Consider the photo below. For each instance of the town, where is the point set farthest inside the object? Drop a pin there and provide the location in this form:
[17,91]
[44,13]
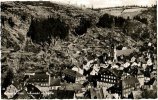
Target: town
[124,73]
[62,51]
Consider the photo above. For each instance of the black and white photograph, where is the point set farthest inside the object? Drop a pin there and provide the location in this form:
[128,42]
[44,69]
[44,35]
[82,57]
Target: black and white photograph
[79,49]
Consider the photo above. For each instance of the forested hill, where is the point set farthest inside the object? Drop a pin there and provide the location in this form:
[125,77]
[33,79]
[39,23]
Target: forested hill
[38,34]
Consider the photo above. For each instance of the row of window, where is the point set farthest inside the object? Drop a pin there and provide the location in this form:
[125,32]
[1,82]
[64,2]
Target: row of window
[39,79]
[69,76]
[112,77]
[108,80]
[41,84]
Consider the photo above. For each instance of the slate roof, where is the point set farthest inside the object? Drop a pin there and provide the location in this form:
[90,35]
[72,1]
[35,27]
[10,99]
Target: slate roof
[72,73]
[117,73]
[39,77]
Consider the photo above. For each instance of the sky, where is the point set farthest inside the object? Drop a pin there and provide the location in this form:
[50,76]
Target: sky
[107,3]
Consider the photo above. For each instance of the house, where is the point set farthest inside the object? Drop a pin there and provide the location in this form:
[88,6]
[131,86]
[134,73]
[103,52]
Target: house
[137,94]
[124,86]
[55,83]
[71,86]
[11,91]
[153,74]
[96,93]
[87,85]
[150,83]
[18,84]
[79,95]
[95,70]
[29,73]
[72,76]
[40,79]
[140,77]
[65,94]
[129,84]
[125,52]
[77,87]
[106,94]
[108,77]
[34,91]
[77,69]
[115,89]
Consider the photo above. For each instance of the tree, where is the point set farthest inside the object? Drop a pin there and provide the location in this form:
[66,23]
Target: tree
[105,21]
[84,25]
[10,22]
[7,80]
[149,94]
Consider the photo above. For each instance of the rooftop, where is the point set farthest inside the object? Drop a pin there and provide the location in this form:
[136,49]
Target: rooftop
[65,94]
[117,73]
[39,77]
[126,52]
[130,81]
[72,73]
[55,82]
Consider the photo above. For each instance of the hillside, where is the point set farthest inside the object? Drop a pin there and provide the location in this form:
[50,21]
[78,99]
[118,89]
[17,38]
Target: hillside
[38,34]
[124,11]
